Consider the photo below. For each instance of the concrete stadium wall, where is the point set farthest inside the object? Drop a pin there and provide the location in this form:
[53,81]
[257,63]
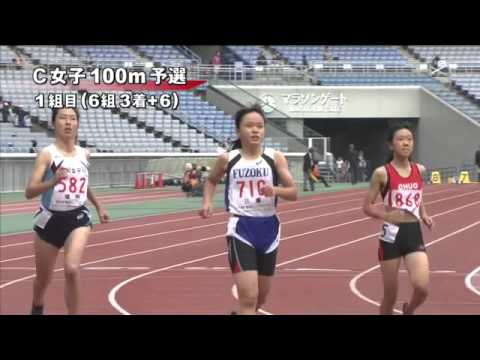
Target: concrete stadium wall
[319,101]
[15,173]
[114,171]
[231,105]
[445,136]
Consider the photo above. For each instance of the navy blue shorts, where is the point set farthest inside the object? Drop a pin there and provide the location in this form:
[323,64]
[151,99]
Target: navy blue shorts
[253,243]
[54,227]
[243,257]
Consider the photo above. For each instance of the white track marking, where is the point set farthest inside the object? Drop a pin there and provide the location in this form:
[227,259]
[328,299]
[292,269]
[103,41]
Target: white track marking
[468,281]
[172,246]
[116,268]
[117,257]
[353,282]
[235,296]
[112,293]
[318,270]
[366,237]
[219,213]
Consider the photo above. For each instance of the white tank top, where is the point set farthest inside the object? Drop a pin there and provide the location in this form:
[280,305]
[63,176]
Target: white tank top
[245,182]
[71,192]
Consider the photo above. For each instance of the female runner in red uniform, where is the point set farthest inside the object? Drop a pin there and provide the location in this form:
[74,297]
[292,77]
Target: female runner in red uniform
[400,183]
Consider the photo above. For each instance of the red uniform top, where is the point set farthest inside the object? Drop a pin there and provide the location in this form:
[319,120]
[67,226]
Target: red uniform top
[404,192]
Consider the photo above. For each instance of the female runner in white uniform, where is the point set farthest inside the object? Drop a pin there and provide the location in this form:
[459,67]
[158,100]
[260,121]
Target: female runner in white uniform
[60,175]
[251,191]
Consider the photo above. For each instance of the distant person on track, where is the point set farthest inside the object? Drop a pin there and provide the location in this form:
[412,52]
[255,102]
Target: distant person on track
[362,166]
[60,175]
[186,186]
[252,188]
[352,158]
[340,169]
[311,171]
[308,162]
[400,182]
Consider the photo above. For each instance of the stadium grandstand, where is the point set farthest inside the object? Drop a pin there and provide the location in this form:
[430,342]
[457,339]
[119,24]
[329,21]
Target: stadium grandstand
[202,123]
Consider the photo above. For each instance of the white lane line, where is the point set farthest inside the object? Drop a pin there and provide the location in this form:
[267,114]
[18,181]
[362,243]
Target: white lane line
[235,296]
[353,282]
[219,213]
[468,281]
[116,268]
[112,293]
